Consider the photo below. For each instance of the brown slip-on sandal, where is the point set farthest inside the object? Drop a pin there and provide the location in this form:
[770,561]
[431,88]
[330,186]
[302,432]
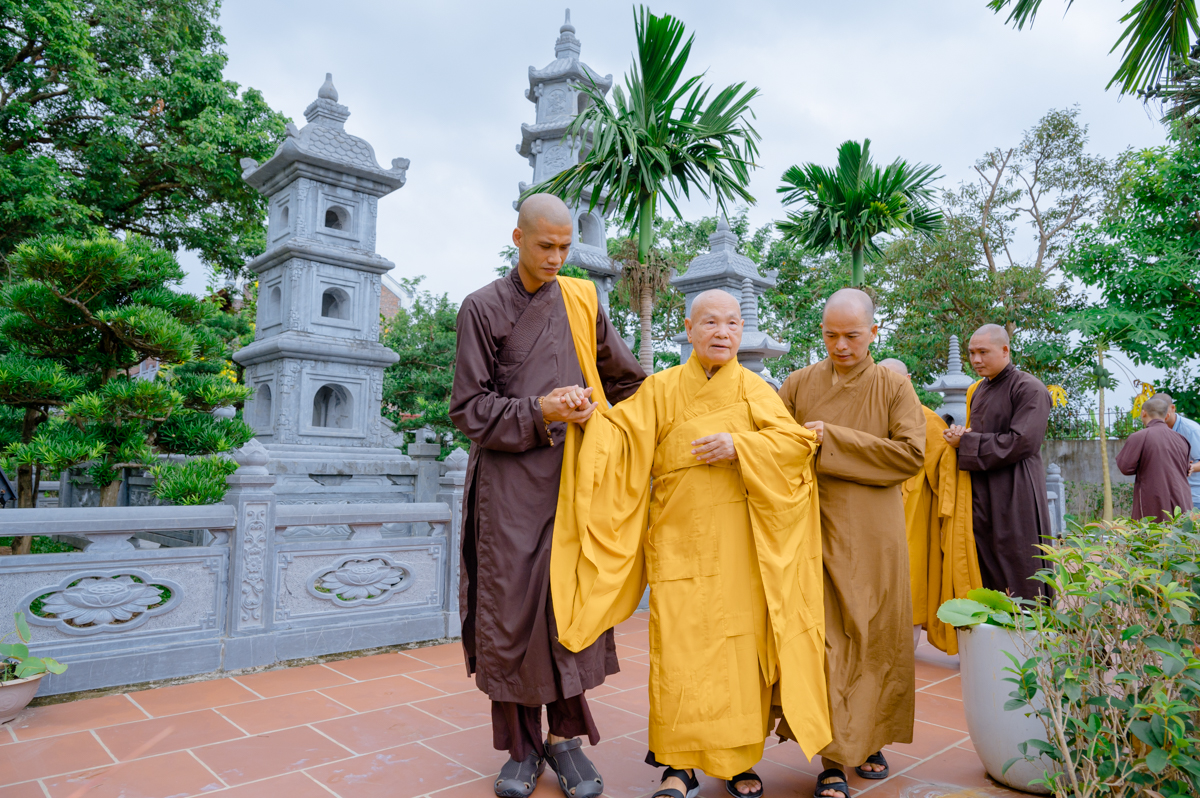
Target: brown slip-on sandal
[577,775]
[517,779]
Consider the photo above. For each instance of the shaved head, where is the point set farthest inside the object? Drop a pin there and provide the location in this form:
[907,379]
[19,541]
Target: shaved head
[895,365]
[851,300]
[988,350]
[993,333]
[538,209]
[1166,397]
[714,299]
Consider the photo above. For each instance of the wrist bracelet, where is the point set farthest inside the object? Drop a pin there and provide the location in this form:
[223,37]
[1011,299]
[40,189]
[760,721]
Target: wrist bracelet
[542,407]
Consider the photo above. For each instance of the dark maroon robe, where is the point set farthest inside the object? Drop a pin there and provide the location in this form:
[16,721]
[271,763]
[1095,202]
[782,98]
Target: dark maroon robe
[1159,458]
[511,491]
[1011,516]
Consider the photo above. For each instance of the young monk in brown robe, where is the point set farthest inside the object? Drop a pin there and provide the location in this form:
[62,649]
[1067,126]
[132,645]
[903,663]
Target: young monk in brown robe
[517,382]
[1001,449]
[1158,458]
[872,435]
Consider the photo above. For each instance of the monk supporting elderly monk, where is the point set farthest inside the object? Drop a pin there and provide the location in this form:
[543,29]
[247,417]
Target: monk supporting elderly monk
[702,484]
[524,344]
[1001,448]
[937,518]
[872,438]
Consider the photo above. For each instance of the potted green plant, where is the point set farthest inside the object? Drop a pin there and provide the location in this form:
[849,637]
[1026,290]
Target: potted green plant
[20,673]
[991,649]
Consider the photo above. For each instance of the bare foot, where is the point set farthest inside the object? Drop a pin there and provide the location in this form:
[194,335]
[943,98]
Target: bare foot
[748,786]
[833,793]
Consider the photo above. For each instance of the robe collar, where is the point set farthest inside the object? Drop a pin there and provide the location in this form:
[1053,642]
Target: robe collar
[848,381]
[1003,375]
[704,394]
[1154,421]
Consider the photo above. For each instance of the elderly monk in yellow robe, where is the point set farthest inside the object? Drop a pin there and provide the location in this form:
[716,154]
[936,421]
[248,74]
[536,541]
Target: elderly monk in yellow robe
[937,517]
[702,484]
[872,439]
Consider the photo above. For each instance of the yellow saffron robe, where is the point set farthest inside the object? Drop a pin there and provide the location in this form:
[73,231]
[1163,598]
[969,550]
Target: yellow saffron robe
[941,544]
[732,553]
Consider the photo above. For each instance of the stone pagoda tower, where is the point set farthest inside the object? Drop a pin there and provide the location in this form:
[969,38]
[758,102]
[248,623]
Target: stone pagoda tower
[953,385]
[316,364]
[554,90]
[723,267]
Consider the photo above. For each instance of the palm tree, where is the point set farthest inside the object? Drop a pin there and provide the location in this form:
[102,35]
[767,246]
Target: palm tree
[1157,37]
[660,137]
[848,206]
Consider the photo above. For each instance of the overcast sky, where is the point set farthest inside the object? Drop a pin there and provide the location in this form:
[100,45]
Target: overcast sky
[442,83]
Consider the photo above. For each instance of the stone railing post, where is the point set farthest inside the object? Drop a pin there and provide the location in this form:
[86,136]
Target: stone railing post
[452,486]
[424,451]
[251,552]
[1056,496]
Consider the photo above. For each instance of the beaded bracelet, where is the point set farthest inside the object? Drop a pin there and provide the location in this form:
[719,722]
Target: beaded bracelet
[542,407]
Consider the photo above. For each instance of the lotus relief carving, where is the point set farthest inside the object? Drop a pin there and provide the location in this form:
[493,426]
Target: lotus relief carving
[103,602]
[360,581]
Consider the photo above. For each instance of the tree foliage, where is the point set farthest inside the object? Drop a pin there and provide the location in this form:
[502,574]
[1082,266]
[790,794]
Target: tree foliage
[114,115]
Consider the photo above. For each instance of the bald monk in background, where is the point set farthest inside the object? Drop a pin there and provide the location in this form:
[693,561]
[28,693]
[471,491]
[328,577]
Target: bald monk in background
[1009,411]
[937,517]
[518,381]
[729,538]
[872,439]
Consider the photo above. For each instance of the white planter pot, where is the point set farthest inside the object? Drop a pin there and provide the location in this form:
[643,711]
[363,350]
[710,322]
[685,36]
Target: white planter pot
[15,695]
[996,733]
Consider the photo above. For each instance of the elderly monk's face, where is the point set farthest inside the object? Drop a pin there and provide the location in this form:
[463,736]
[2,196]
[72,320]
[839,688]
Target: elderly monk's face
[988,355]
[848,333]
[714,330]
[542,250]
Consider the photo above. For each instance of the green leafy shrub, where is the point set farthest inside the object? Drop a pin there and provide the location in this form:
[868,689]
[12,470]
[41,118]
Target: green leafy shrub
[1116,662]
[200,480]
[15,661]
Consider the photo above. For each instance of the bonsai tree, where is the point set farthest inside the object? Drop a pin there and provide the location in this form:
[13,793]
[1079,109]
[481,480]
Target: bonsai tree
[659,138]
[846,207]
[100,306]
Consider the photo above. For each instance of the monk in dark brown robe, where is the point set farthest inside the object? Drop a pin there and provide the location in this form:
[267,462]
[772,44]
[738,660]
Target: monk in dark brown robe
[517,383]
[1002,449]
[1158,459]
[871,432]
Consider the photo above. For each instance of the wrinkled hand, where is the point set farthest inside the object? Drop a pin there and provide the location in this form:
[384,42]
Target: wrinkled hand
[571,403]
[954,434]
[714,448]
[817,427]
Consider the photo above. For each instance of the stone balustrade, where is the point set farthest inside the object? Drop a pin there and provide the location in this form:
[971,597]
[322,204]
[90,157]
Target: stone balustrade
[118,614]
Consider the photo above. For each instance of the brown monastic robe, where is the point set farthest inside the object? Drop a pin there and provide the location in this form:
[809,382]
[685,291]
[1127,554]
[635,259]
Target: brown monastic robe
[1009,413]
[511,490]
[874,440]
[1159,457]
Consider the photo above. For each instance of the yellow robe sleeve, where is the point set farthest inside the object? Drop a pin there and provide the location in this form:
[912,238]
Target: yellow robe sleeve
[776,465]
[597,565]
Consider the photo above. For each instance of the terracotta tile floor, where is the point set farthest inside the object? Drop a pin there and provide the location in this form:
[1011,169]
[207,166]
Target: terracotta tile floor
[402,725]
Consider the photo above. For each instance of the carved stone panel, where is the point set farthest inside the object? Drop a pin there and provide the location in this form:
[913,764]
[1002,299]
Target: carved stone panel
[93,602]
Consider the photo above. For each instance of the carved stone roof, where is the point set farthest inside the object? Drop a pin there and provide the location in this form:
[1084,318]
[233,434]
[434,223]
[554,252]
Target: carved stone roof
[722,260]
[325,142]
[566,65]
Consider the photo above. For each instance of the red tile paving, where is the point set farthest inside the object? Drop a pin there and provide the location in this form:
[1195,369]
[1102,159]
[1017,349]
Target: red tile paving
[403,725]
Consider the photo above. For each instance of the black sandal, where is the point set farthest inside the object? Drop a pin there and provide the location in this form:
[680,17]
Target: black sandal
[749,775]
[835,786]
[691,782]
[577,775]
[517,779]
[874,759]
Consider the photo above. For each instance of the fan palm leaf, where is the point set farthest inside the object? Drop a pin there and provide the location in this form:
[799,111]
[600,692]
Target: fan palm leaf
[846,207]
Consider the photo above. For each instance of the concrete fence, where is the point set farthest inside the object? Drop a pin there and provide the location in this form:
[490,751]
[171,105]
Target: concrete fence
[118,614]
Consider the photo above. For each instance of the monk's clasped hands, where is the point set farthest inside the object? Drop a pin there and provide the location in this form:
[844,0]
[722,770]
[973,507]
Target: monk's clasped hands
[954,434]
[817,427]
[714,448]
[572,404]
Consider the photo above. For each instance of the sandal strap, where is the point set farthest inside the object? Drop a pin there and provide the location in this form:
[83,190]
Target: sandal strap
[554,749]
[842,786]
[671,792]
[749,775]
[876,759]
[691,781]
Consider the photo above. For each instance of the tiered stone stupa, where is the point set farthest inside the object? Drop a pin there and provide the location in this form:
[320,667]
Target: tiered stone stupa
[316,364]
[555,91]
[725,268]
[953,386]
